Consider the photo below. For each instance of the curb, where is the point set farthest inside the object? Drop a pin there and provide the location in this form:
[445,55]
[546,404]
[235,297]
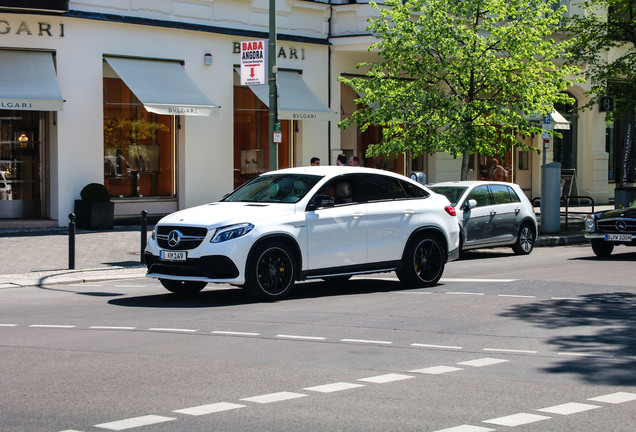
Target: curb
[560,240]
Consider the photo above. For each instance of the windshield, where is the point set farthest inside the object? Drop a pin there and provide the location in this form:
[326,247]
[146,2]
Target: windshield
[453,193]
[287,188]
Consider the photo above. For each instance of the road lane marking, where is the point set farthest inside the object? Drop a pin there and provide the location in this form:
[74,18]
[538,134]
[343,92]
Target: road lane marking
[179,330]
[111,328]
[477,280]
[506,350]
[436,370]
[568,408]
[517,296]
[335,387]
[315,338]
[387,378]
[52,326]
[366,341]
[274,397]
[517,419]
[467,428]
[482,362]
[233,333]
[464,293]
[209,409]
[135,422]
[615,398]
[8,325]
[585,355]
[436,346]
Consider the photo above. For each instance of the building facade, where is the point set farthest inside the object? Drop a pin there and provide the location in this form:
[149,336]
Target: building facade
[145,96]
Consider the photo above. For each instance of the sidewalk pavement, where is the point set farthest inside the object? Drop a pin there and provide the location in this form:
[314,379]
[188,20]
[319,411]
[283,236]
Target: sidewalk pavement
[36,256]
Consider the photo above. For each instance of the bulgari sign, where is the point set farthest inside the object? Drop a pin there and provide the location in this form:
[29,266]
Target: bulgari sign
[35,5]
[25,29]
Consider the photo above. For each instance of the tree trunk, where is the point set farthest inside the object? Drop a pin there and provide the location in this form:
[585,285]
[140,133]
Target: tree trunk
[465,161]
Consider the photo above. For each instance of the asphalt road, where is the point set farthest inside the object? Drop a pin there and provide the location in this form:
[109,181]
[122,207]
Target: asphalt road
[544,342]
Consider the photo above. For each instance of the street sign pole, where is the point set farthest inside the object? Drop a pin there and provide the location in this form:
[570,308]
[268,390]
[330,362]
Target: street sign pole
[546,143]
[273,93]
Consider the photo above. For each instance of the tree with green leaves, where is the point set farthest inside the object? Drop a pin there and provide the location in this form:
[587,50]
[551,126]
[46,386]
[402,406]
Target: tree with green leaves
[461,76]
[606,45]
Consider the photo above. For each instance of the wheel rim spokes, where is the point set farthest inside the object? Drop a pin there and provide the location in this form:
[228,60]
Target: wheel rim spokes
[427,260]
[526,239]
[274,271]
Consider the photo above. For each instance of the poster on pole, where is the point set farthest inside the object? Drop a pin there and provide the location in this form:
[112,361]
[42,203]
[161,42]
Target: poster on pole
[253,62]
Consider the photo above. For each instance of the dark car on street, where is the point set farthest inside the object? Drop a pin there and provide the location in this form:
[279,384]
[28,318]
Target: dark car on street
[611,228]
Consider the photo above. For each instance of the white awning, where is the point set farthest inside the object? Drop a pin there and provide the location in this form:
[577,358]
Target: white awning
[28,81]
[556,120]
[559,122]
[296,101]
[163,87]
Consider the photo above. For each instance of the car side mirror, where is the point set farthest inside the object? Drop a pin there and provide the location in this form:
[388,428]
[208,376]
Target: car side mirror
[470,204]
[321,201]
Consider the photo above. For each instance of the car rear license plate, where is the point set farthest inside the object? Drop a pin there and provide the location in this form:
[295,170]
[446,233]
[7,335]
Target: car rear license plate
[173,255]
[618,237]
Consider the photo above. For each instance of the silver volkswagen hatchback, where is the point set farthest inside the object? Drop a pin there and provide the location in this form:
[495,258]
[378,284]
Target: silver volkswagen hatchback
[491,214]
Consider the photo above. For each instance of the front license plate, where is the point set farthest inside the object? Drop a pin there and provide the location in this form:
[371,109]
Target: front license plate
[173,255]
[618,237]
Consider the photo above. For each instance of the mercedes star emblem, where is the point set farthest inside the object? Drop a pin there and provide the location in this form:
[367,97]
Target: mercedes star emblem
[621,225]
[174,238]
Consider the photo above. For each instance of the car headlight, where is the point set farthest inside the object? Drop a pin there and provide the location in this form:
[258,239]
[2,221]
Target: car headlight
[590,223]
[231,232]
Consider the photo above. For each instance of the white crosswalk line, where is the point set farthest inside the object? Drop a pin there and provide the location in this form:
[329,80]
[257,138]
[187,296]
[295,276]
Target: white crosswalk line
[568,408]
[382,379]
[517,419]
[436,370]
[615,398]
[274,397]
[330,388]
[134,422]
[482,362]
[209,409]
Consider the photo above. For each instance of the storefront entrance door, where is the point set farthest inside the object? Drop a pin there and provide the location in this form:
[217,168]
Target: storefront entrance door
[20,164]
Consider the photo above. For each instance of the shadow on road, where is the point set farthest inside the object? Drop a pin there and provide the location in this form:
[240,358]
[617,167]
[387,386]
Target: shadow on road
[619,255]
[212,297]
[613,316]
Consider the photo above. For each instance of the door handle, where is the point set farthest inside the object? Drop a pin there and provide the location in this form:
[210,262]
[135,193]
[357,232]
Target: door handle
[357,215]
[493,212]
[409,212]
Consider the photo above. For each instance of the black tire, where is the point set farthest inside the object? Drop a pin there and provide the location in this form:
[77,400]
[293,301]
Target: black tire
[271,271]
[602,248]
[423,262]
[183,288]
[525,240]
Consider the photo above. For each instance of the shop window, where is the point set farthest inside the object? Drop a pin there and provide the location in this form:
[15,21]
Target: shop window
[138,147]
[494,168]
[20,155]
[251,137]
[565,146]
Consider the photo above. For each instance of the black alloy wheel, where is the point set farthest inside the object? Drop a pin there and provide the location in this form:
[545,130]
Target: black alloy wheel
[271,271]
[423,262]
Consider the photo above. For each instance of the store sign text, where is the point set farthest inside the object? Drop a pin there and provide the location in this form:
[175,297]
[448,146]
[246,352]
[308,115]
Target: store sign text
[42,29]
[283,52]
[16,105]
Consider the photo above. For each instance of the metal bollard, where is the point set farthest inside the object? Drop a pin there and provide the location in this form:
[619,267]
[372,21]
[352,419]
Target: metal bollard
[71,241]
[144,234]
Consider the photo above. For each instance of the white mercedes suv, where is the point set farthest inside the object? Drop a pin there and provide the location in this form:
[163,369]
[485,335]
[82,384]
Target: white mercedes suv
[302,223]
